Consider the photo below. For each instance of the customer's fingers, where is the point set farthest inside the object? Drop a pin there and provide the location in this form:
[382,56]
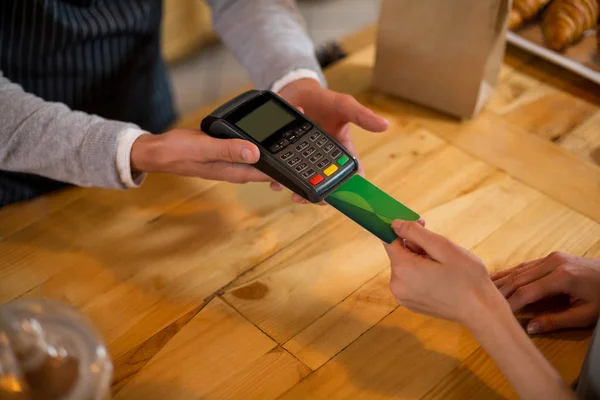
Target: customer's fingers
[580,316]
[436,246]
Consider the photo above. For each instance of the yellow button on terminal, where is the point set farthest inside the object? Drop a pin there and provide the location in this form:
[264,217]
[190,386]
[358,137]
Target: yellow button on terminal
[330,170]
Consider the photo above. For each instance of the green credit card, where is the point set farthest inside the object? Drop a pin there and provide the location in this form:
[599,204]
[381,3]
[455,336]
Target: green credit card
[370,207]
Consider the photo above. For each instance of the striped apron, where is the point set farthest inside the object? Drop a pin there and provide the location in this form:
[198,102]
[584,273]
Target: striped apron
[97,56]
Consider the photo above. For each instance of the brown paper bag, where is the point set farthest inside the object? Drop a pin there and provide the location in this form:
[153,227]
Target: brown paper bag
[445,54]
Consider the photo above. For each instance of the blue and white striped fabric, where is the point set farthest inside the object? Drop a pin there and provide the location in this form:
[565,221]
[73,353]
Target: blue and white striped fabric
[98,56]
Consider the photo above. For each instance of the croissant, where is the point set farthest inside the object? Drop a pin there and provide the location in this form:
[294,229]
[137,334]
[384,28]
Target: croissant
[524,10]
[565,21]
[515,19]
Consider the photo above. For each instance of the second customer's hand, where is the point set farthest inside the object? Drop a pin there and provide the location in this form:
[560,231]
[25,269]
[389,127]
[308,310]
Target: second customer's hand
[555,274]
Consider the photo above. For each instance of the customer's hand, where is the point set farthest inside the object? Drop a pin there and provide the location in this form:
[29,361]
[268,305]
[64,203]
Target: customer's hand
[444,280]
[556,274]
[332,111]
[192,153]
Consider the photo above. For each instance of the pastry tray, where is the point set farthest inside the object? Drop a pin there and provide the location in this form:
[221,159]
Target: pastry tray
[580,58]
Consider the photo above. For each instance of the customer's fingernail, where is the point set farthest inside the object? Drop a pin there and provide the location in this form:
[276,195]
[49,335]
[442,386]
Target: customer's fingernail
[247,155]
[533,327]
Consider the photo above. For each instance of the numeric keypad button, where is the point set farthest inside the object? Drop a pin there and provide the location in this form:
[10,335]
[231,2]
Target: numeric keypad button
[308,152]
[315,136]
[301,167]
[316,158]
[302,146]
[308,174]
[287,155]
[323,164]
[294,161]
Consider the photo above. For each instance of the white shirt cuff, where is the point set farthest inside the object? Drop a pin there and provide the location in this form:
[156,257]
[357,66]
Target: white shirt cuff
[294,76]
[124,145]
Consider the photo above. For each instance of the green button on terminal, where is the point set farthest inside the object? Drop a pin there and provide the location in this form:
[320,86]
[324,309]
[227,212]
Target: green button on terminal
[343,160]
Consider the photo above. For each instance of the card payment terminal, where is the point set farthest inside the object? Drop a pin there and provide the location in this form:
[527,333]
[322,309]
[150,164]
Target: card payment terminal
[293,150]
[297,153]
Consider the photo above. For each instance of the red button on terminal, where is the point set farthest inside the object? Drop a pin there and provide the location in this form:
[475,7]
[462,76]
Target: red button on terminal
[315,180]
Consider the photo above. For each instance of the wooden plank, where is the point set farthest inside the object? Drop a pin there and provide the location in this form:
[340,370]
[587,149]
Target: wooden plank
[304,281]
[520,100]
[57,238]
[548,112]
[466,381]
[27,261]
[512,92]
[399,130]
[267,378]
[130,363]
[564,350]
[400,357]
[158,194]
[537,162]
[539,229]
[344,323]
[156,272]
[217,353]
[18,216]
[585,140]
[593,252]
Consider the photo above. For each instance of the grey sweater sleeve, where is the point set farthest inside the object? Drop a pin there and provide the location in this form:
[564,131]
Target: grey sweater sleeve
[50,140]
[267,36]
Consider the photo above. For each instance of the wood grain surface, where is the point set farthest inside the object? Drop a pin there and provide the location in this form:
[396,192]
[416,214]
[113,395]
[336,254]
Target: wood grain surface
[211,290]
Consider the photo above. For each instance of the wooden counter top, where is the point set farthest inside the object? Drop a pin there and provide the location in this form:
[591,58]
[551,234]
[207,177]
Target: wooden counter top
[211,290]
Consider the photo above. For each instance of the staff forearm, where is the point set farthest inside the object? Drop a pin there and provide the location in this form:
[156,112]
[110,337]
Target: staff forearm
[267,36]
[51,140]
